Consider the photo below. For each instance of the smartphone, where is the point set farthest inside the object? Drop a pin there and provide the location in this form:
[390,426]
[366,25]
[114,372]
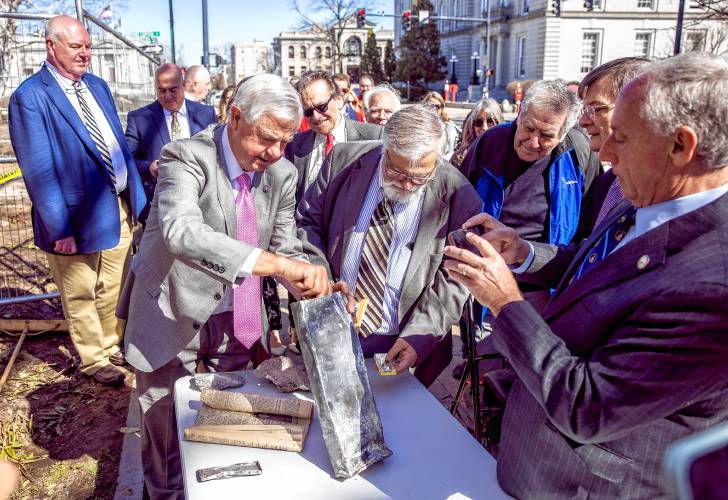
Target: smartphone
[458,239]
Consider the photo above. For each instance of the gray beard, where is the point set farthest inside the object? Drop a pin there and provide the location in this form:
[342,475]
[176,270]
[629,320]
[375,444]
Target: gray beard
[394,193]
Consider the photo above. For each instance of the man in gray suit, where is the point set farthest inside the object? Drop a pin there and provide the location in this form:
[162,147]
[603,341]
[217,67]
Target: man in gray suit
[223,216]
[322,105]
[630,353]
[377,218]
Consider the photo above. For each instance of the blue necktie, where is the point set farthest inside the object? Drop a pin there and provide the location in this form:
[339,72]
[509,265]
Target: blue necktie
[608,241]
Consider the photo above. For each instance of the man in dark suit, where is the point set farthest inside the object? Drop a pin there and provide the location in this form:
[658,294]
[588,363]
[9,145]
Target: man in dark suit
[630,353]
[406,191]
[167,119]
[85,190]
[598,91]
[322,105]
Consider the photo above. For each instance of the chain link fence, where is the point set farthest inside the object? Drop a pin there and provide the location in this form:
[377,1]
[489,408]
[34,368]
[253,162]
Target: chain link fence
[24,272]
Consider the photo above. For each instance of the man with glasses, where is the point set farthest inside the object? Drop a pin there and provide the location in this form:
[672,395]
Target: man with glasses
[381,103]
[322,105]
[532,173]
[377,218]
[598,91]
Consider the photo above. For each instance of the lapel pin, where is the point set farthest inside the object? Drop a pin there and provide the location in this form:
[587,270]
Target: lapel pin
[643,262]
[266,188]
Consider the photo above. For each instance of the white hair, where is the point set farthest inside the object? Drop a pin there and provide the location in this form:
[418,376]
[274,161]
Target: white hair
[267,95]
[552,96]
[415,132]
[382,89]
[689,90]
[193,72]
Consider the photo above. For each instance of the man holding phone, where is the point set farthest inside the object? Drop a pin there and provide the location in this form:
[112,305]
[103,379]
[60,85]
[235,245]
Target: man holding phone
[377,218]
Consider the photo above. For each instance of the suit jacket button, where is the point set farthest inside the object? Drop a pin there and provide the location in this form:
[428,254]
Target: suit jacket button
[204,262]
[222,269]
[218,296]
[196,326]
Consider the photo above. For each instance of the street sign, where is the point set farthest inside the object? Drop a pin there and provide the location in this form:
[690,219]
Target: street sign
[424,14]
[152,49]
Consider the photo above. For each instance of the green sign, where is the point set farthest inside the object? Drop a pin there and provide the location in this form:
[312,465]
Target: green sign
[146,33]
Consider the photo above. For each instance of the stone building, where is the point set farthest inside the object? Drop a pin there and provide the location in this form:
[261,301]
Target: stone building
[298,51]
[248,59]
[529,40]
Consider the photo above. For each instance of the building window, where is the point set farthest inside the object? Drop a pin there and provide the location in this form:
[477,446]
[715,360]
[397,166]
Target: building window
[524,7]
[303,69]
[589,52]
[521,59]
[694,41]
[303,52]
[642,43]
[327,51]
[644,4]
[319,53]
[291,52]
[353,46]
[291,71]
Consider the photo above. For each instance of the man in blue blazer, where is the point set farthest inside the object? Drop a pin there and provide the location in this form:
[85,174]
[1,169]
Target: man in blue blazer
[85,190]
[169,118]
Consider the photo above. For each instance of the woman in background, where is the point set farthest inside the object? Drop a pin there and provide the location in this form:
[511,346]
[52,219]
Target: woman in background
[486,114]
[435,100]
[222,106]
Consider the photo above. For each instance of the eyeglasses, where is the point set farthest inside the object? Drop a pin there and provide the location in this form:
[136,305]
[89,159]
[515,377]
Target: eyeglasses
[321,108]
[590,111]
[478,122]
[382,112]
[402,177]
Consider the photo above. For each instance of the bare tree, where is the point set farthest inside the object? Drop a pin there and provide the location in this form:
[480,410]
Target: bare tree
[328,18]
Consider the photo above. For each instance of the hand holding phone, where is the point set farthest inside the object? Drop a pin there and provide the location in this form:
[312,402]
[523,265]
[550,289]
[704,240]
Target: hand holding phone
[458,238]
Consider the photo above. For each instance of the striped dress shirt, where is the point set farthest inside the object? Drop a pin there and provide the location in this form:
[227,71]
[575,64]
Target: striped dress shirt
[406,222]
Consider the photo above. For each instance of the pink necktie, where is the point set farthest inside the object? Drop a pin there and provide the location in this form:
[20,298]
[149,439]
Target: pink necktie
[246,297]
[614,196]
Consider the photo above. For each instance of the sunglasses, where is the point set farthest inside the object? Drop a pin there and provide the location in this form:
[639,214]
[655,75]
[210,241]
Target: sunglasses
[434,106]
[321,108]
[478,122]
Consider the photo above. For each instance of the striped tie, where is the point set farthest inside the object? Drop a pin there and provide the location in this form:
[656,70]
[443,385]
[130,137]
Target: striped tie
[93,130]
[370,282]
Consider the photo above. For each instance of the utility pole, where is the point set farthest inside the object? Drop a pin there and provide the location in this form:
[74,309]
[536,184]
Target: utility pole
[678,29]
[205,37]
[171,31]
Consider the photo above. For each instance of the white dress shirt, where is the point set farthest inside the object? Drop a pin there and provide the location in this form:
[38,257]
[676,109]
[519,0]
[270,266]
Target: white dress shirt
[118,161]
[404,232]
[184,124]
[234,170]
[318,154]
[648,218]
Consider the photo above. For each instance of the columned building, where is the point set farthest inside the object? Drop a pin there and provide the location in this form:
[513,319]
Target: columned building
[296,52]
[529,40]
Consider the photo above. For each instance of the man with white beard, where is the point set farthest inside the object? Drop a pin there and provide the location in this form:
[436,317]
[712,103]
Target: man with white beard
[377,217]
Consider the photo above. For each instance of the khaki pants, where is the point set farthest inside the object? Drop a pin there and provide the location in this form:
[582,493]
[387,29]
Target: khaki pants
[90,285]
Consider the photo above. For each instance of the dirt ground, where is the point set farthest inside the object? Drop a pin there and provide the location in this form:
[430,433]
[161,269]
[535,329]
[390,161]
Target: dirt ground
[63,429]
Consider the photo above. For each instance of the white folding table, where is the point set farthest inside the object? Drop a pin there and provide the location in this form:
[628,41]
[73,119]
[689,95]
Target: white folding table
[434,457]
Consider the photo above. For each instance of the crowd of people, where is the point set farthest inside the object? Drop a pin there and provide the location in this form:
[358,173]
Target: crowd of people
[601,272]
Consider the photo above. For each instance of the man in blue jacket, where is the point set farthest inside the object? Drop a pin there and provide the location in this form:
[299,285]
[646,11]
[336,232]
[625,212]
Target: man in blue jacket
[169,118]
[85,190]
[533,173]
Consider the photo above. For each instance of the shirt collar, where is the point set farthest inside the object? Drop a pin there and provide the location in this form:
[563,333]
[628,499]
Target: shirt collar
[650,217]
[339,131]
[181,111]
[65,83]
[234,170]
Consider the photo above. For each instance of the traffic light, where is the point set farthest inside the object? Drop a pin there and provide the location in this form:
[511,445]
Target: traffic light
[406,20]
[361,18]
[589,5]
[556,7]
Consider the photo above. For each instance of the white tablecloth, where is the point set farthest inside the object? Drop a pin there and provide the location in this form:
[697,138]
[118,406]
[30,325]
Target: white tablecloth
[434,457]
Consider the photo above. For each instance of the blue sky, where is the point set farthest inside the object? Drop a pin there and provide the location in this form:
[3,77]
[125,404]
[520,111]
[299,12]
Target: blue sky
[229,21]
